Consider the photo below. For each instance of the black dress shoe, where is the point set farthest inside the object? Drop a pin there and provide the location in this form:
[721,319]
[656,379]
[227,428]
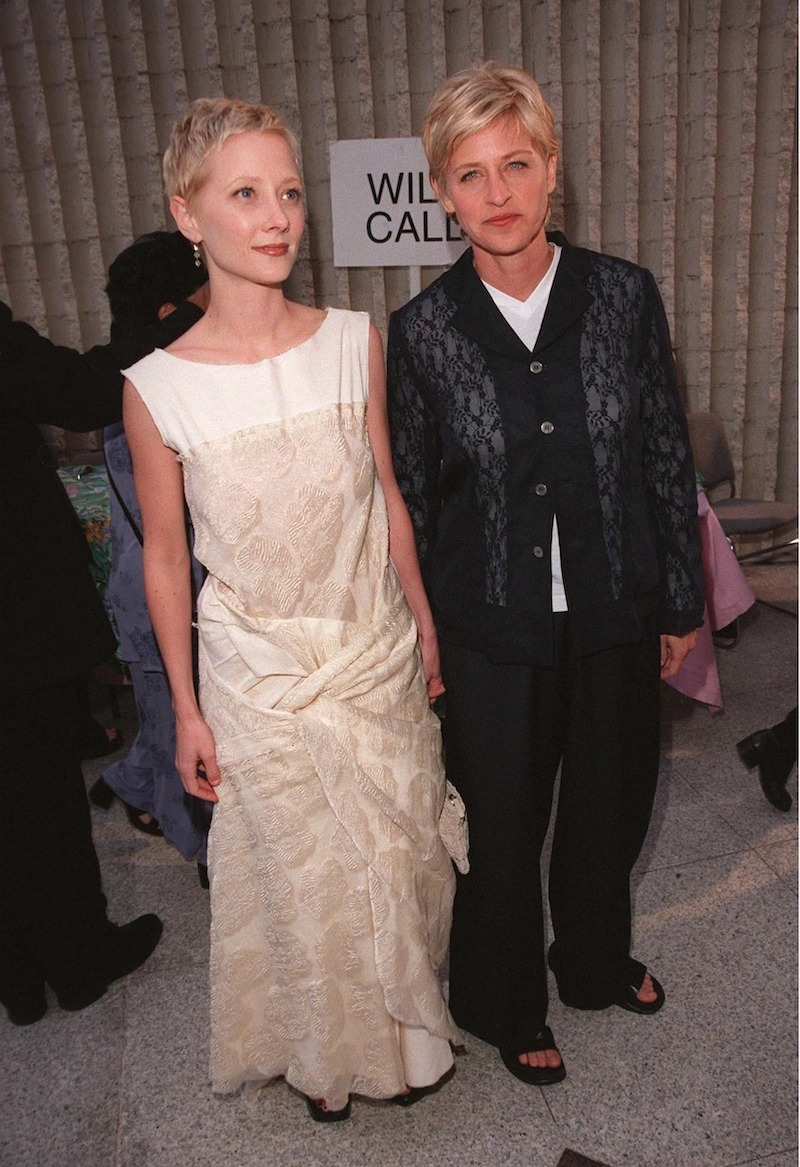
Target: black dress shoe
[26,1007]
[415,1093]
[150,827]
[129,946]
[629,999]
[774,752]
[535,1075]
[101,794]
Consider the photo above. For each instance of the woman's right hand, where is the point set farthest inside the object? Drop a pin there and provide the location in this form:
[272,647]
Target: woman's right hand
[196,758]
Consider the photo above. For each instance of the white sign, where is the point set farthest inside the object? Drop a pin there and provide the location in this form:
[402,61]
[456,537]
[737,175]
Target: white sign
[385,213]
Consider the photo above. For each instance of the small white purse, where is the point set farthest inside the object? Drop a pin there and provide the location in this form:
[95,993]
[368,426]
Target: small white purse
[454,829]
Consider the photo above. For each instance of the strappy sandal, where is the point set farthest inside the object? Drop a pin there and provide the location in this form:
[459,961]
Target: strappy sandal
[535,1075]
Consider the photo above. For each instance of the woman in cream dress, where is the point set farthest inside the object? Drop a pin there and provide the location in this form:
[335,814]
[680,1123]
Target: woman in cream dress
[331,891]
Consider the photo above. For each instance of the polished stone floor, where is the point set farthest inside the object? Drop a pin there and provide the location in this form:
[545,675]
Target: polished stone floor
[711,1081]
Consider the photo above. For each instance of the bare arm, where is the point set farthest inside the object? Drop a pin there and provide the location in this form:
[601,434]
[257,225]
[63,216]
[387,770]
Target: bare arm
[159,487]
[402,546]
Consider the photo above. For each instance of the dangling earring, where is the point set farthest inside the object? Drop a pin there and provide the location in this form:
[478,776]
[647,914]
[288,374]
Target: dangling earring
[198,259]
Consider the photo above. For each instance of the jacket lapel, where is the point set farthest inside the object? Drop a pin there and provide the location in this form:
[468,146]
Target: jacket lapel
[569,298]
[477,316]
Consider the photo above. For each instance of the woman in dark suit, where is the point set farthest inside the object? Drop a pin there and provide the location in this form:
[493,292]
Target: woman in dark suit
[543,455]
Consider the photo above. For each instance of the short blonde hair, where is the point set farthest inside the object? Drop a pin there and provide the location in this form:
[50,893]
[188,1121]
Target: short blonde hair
[205,127]
[475,98]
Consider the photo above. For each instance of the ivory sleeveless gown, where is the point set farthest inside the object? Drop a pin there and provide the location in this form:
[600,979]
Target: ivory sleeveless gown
[331,892]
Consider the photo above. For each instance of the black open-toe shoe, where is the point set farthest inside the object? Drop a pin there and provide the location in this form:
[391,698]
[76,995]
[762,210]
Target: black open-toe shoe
[535,1075]
[415,1093]
[319,1113]
[629,1000]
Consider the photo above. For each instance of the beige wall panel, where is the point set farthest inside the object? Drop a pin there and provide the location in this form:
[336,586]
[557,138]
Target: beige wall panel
[134,112]
[94,78]
[774,129]
[391,111]
[353,90]
[580,137]
[47,260]
[541,57]
[199,48]
[657,143]
[696,148]
[786,485]
[736,92]
[501,33]
[71,171]
[619,126]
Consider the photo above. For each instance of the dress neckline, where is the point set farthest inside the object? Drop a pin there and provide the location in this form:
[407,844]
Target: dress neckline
[248,364]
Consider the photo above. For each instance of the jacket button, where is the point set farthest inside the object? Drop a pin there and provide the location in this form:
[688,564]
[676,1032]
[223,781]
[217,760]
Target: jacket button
[536,366]
[538,552]
[547,427]
[541,489]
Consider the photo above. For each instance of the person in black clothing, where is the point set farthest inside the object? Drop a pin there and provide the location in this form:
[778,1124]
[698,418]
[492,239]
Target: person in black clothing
[54,927]
[541,448]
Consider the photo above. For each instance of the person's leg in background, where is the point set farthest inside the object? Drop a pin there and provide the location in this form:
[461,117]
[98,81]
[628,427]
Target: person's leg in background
[53,922]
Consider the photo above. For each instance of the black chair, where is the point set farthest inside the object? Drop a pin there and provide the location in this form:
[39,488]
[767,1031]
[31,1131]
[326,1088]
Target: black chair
[737,516]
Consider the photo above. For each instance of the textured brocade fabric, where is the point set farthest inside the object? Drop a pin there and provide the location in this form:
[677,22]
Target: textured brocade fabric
[621,292]
[331,890]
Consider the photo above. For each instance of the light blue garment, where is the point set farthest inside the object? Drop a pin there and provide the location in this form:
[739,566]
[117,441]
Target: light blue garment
[146,777]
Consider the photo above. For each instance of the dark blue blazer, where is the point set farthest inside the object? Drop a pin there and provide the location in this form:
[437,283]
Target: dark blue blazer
[491,441]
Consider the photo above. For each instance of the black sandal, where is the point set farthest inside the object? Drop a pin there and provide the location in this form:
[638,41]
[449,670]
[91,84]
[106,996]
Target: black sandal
[535,1075]
[415,1093]
[319,1113]
[629,999]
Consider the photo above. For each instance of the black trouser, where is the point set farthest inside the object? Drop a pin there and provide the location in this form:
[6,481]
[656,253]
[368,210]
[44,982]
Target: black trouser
[53,924]
[507,728]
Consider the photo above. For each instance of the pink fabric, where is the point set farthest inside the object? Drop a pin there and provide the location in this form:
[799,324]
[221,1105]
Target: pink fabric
[728,595]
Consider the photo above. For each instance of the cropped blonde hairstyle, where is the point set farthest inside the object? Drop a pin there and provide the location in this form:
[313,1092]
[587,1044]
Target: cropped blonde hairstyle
[205,127]
[471,100]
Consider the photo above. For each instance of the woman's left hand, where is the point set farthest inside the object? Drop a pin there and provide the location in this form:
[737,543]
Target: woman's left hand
[431,666]
[674,650]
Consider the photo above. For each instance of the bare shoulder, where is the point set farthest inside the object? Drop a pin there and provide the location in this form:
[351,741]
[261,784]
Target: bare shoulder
[304,317]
